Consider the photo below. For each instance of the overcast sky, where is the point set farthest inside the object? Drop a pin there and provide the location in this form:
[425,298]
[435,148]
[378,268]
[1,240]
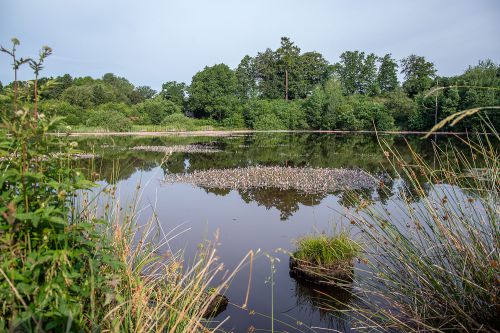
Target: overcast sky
[154,41]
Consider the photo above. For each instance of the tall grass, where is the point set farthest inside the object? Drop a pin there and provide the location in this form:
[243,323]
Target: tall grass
[326,250]
[434,259]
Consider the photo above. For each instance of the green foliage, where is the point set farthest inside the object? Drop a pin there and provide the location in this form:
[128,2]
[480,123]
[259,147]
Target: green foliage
[387,74]
[174,91]
[72,115]
[275,114]
[246,77]
[323,106]
[328,109]
[371,114]
[88,96]
[418,74]
[180,122]
[112,116]
[48,257]
[323,250]
[121,87]
[304,71]
[141,94]
[358,73]
[401,107]
[226,95]
[61,84]
[212,92]
[153,111]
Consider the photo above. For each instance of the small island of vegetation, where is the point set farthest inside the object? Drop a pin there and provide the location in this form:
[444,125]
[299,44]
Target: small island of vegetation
[327,260]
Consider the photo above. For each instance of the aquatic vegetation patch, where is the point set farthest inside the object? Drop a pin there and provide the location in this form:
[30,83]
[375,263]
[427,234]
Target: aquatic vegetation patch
[324,260]
[307,180]
[178,149]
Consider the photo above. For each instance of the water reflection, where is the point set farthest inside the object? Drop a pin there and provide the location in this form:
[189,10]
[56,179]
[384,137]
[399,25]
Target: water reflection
[329,303]
[252,219]
[118,161]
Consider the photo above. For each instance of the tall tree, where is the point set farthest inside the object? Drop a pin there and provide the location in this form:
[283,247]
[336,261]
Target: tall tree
[368,81]
[418,73]
[246,75]
[269,80]
[288,59]
[141,94]
[122,87]
[61,84]
[174,91]
[314,70]
[358,73]
[212,92]
[349,71]
[387,74]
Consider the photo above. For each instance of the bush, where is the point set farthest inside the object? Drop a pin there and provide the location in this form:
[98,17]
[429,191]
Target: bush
[179,122]
[73,115]
[401,108]
[89,95]
[371,114]
[45,251]
[110,119]
[324,105]
[275,115]
[153,111]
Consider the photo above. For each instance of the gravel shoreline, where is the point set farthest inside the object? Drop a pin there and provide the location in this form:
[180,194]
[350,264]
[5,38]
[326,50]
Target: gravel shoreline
[307,180]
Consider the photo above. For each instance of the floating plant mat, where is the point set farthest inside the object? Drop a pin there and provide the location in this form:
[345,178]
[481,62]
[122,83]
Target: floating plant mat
[178,149]
[308,180]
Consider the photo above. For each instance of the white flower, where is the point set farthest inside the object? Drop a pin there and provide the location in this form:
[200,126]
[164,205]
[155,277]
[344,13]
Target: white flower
[19,113]
[41,116]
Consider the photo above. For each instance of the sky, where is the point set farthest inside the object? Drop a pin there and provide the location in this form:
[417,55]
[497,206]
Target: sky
[154,41]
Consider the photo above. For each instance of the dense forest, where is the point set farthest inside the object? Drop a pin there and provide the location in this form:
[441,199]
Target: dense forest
[279,89]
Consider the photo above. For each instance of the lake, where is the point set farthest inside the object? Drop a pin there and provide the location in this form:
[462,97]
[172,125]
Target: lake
[268,219]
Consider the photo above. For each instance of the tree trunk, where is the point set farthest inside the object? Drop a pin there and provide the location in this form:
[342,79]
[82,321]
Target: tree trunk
[286,84]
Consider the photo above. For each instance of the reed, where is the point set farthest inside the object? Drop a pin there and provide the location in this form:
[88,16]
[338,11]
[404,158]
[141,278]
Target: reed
[434,259]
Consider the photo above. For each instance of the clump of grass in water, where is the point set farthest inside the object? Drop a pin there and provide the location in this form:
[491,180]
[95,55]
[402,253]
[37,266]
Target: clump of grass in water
[326,250]
[325,260]
[436,260]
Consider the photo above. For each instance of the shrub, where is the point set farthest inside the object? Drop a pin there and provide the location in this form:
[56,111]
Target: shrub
[110,119]
[89,95]
[179,122]
[275,115]
[155,110]
[73,115]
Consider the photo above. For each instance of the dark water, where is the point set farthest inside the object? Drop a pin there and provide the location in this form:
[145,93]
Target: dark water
[266,219]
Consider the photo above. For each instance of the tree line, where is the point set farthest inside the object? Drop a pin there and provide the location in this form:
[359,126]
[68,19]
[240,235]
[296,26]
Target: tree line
[280,89]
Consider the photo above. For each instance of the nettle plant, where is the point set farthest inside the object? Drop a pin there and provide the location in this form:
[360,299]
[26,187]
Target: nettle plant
[48,256]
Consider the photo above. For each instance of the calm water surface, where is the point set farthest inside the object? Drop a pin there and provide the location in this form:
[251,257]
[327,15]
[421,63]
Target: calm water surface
[265,219]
